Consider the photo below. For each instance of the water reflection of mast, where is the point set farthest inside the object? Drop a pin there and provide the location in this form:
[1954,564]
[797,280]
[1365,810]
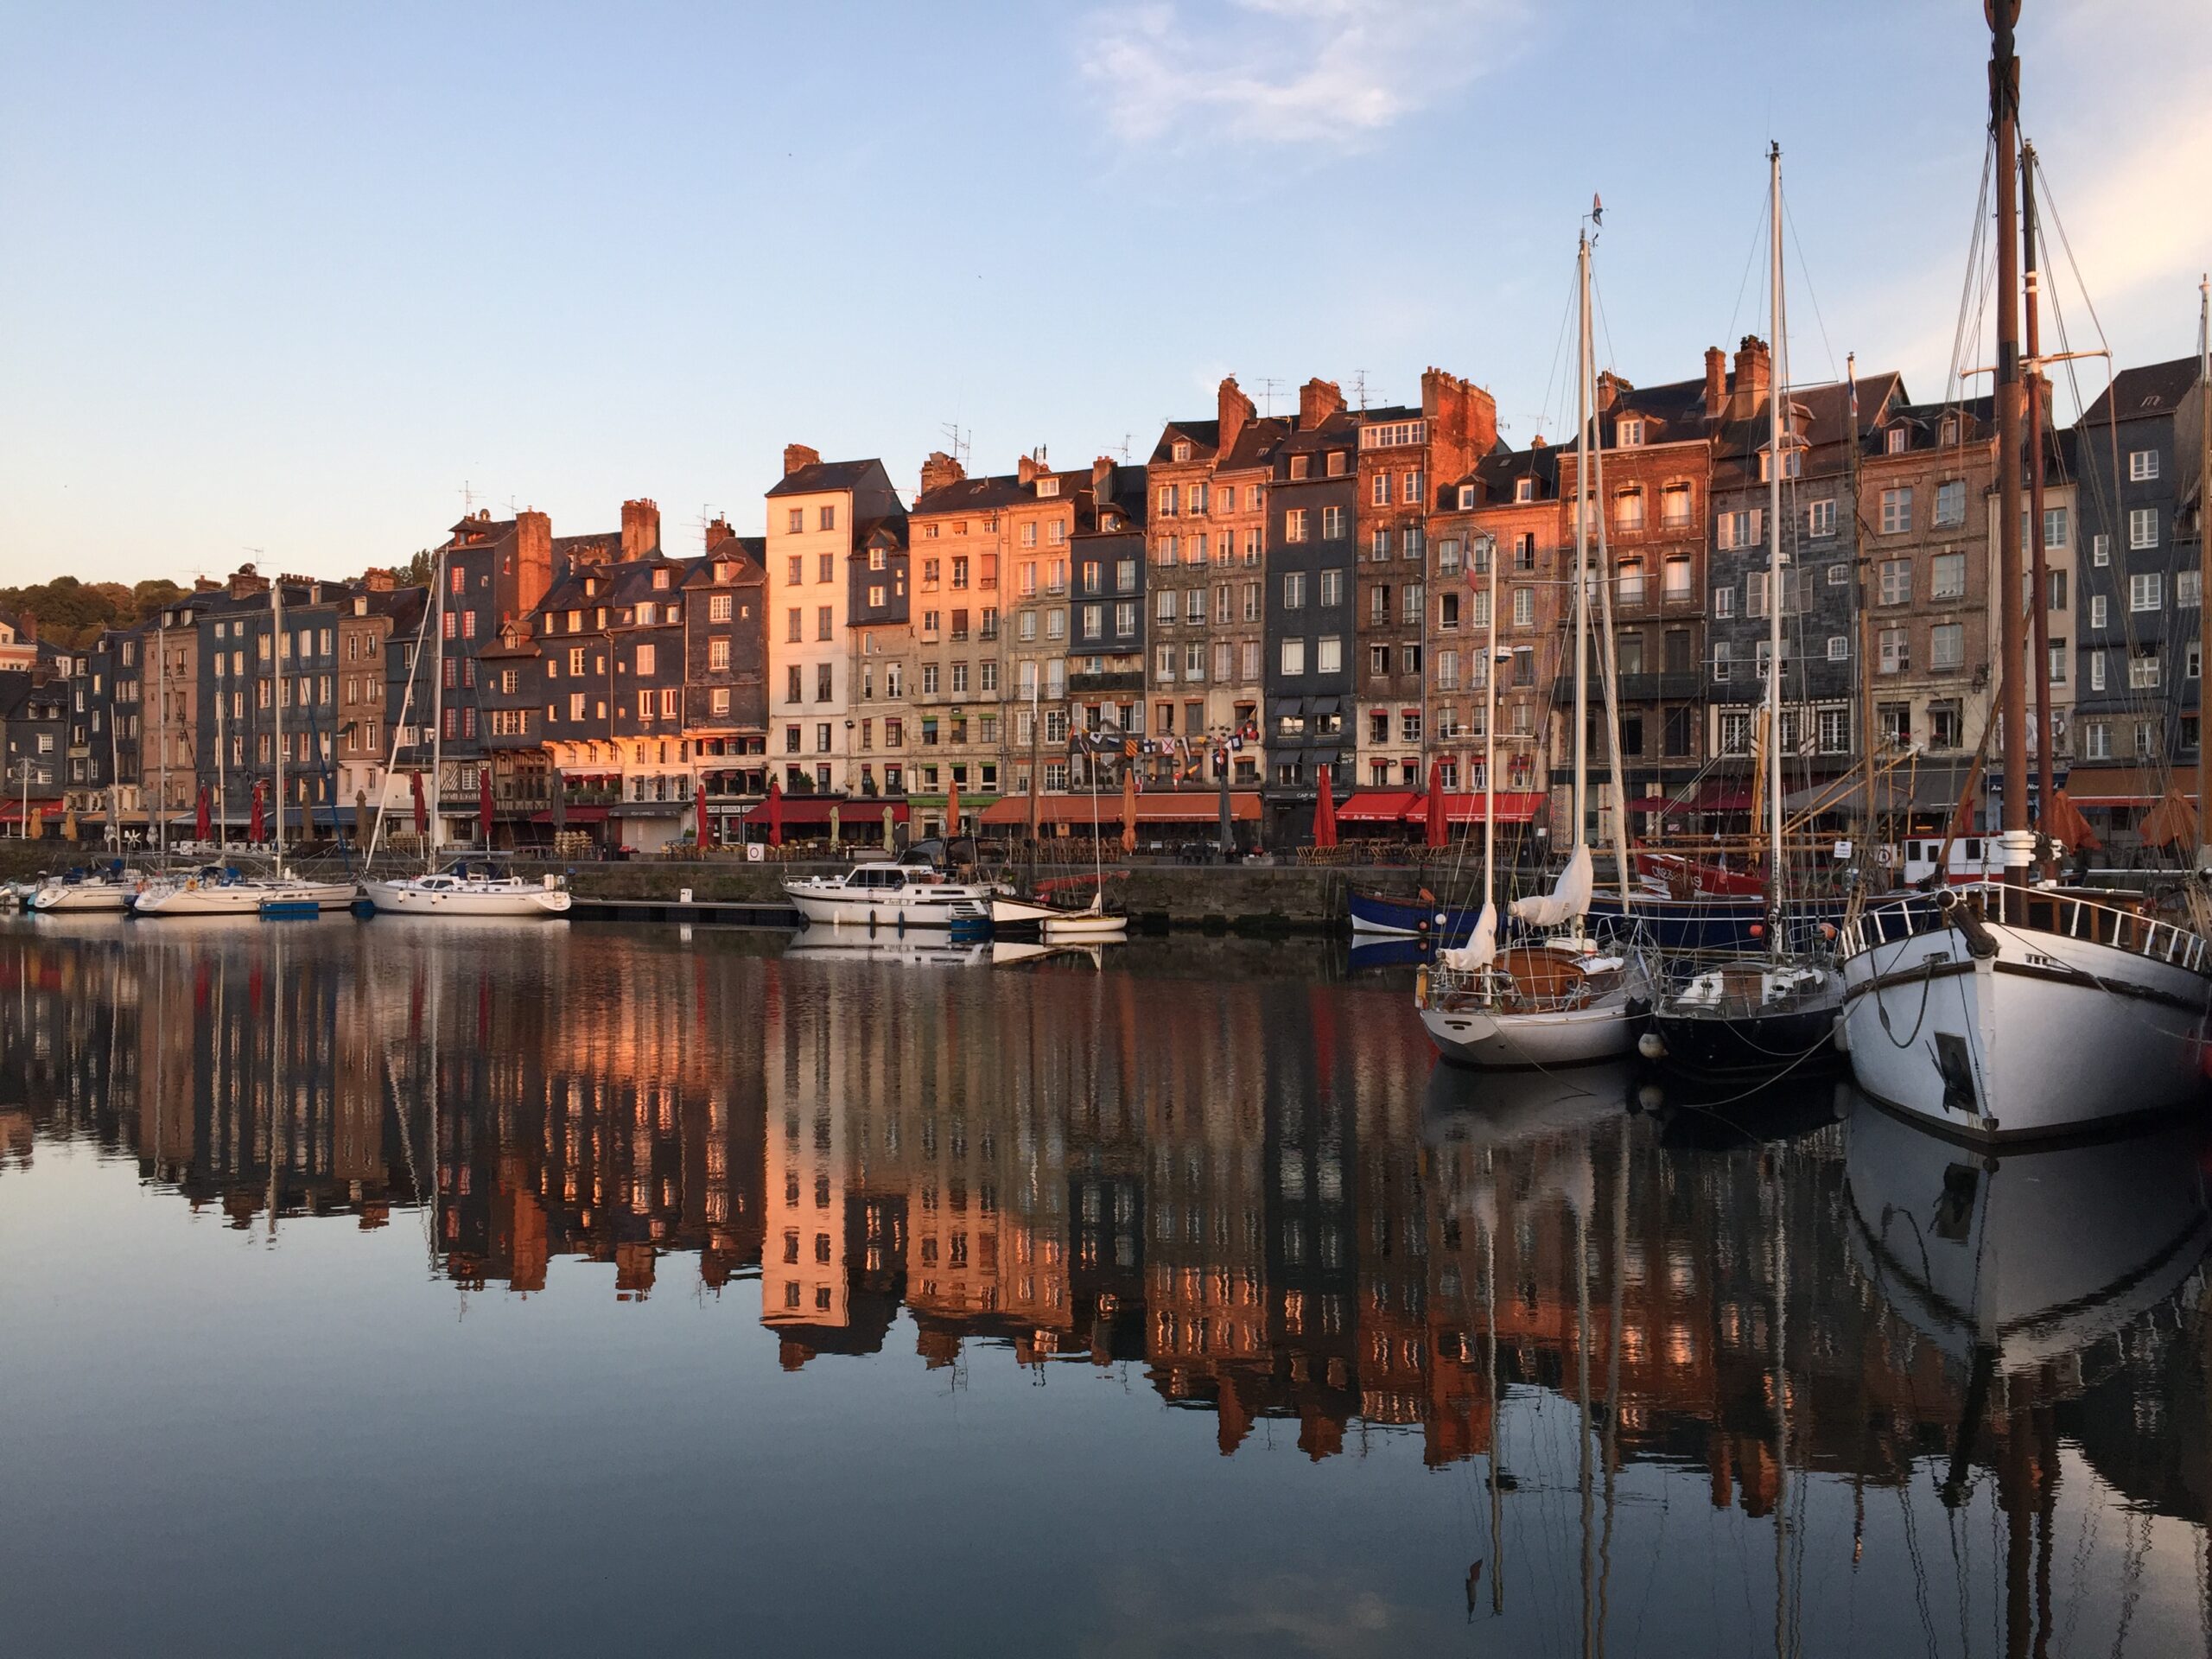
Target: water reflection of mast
[1490,1316]
[1781,1188]
[1613,1373]
[1582,1398]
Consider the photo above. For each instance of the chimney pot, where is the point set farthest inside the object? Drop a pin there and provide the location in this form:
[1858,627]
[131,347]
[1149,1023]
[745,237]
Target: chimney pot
[939,470]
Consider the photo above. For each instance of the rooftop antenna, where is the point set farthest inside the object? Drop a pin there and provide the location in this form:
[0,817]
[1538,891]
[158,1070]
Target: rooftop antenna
[1268,384]
[467,498]
[1126,436]
[708,513]
[959,439]
[1359,386]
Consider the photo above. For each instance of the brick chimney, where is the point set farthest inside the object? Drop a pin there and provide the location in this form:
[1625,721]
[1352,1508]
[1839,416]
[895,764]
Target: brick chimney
[377,580]
[533,562]
[640,529]
[718,531]
[1236,411]
[206,585]
[1537,442]
[246,583]
[1102,473]
[1609,387]
[796,455]
[1317,400]
[1462,422]
[26,626]
[1027,468]
[939,470]
[1753,369]
[1716,382]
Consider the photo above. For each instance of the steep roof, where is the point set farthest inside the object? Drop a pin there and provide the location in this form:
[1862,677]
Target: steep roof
[2155,389]
[1202,435]
[822,475]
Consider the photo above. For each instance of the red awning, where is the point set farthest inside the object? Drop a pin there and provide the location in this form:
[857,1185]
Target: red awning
[12,811]
[575,815]
[1514,806]
[1379,806]
[802,810]
[1167,806]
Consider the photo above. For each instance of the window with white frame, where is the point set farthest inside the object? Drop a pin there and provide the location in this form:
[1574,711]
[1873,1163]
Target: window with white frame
[1895,582]
[1524,606]
[1896,511]
[1329,654]
[1950,503]
[1946,574]
[2142,527]
[2100,549]
[2189,590]
[1294,524]
[2099,610]
[1293,657]
[1724,603]
[1721,661]
[1839,648]
[2145,591]
[2142,669]
[1896,651]
[1947,646]
[1820,519]
[2142,466]
[2096,671]
[2097,740]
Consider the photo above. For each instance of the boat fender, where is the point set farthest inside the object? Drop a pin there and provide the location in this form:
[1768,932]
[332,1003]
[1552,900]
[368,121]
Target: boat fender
[1421,987]
[1650,1097]
[1651,1046]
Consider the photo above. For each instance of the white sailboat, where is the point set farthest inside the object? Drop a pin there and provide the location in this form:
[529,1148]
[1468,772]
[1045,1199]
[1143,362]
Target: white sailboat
[220,893]
[463,889]
[111,889]
[2022,1010]
[1563,999]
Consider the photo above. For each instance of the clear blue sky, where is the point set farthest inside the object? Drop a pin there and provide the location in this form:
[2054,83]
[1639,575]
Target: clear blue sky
[287,276]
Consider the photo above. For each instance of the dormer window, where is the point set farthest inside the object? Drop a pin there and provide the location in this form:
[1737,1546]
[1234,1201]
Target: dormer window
[360,608]
[1467,497]
[1046,486]
[1895,441]
[1300,466]
[1181,452]
[1524,489]
[1628,431]
[1949,432]
[591,587]
[1338,461]
[725,572]
[660,580]
[1109,521]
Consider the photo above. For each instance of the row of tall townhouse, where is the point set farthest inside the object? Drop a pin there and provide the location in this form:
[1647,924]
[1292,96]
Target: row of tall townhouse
[1266,597]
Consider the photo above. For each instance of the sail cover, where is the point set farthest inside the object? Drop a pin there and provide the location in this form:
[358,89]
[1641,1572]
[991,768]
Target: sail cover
[1481,948]
[1569,899]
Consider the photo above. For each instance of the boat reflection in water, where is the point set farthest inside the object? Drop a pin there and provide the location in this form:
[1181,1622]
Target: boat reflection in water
[965,1240]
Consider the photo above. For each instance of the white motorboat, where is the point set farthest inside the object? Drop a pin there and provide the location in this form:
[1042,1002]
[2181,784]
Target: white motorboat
[225,893]
[2019,1012]
[884,894]
[920,952]
[462,891]
[113,891]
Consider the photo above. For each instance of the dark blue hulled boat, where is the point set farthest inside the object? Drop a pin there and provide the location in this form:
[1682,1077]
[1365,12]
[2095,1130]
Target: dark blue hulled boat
[1411,916]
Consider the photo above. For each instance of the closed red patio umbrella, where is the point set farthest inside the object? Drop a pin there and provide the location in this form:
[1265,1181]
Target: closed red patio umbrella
[699,808]
[1324,813]
[422,812]
[254,832]
[1434,831]
[201,827]
[775,812]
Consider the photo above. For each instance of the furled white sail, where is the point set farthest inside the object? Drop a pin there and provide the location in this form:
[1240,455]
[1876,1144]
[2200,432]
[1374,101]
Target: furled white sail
[1481,948]
[1569,899]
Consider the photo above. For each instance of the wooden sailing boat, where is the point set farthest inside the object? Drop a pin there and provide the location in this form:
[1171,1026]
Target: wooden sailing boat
[1757,1016]
[2019,1010]
[1562,998]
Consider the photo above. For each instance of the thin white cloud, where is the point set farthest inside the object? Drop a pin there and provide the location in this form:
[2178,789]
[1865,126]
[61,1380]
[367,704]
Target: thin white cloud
[1317,73]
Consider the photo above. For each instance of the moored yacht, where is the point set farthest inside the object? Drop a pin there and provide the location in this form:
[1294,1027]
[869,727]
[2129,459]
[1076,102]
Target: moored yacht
[880,893]
[463,889]
[224,892]
[111,890]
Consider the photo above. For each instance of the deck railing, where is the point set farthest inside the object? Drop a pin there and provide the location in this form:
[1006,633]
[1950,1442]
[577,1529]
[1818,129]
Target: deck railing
[2095,918]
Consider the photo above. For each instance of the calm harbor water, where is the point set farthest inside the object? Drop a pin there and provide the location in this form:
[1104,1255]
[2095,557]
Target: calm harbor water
[430,1288]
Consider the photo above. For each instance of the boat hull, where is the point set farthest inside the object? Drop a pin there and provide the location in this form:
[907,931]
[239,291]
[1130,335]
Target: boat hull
[242,897]
[1400,915]
[82,897]
[517,904]
[1479,1037]
[939,909]
[2051,1035]
[1082,927]
[1796,1040]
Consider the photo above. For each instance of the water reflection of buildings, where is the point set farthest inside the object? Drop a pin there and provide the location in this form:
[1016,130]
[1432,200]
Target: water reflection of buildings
[1255,1189]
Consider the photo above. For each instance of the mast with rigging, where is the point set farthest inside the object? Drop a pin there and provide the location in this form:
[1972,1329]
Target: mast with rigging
[2017,841]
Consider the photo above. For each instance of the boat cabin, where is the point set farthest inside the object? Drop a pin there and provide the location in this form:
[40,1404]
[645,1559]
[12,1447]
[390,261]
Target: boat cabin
[1973,858]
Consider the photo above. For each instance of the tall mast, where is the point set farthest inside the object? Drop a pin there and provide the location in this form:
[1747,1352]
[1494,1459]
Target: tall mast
[1870,824]
[1490,734]
[2203,560]
[1582,505]
[222,778]
[276,703]
[2004,113]
[1776,394]
[2038,418]
[438,704]
[162,727]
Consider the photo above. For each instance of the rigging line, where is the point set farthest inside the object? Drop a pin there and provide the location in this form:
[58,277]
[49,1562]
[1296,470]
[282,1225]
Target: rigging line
[1790,221]
[1758,224]
[1558,359]
[1974,248]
